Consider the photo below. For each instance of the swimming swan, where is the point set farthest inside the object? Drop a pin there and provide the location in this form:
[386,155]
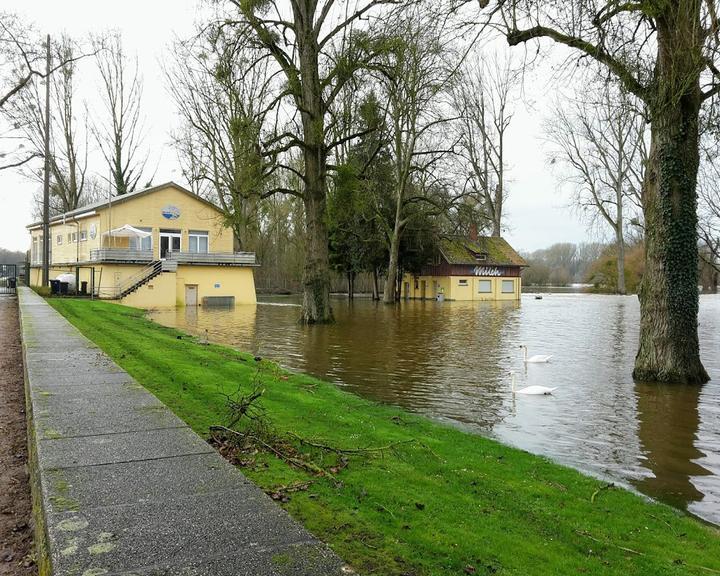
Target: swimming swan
[537,359]
[532,390]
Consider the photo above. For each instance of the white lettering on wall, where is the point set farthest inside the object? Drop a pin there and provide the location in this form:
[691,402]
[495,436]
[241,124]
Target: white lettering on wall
[487,271]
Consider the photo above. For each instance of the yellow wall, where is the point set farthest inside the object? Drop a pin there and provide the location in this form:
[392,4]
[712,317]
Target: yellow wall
[217,281]
[143,211]
[169,287]
[158,293]
[453,289]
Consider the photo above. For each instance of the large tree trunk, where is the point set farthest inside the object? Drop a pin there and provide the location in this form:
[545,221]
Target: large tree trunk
[621,288]
[316,275]
[390,279]
[669,347]
[620,242]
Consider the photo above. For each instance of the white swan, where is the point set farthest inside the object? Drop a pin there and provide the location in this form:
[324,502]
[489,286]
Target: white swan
[536,359]
[532,390]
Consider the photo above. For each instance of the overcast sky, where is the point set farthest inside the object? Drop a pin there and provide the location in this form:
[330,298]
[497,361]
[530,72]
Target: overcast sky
[537,213]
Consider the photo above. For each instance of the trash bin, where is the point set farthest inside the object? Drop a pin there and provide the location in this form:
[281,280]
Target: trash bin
[83,287]
[64,286]
[12,283]
[54,287]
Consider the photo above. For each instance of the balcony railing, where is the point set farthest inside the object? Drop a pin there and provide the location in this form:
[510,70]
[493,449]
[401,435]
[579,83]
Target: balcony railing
[226,258]
[120,255]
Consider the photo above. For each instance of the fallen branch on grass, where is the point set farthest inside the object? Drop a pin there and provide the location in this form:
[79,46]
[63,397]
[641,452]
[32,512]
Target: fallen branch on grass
[292,460]
[595,494]
[336,450]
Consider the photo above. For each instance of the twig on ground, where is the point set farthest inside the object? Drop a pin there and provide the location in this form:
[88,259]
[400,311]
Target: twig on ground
[588,535]
[597,492]
[292,460]
[337,450]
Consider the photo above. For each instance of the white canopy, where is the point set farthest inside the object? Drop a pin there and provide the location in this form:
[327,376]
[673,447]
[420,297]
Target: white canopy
[127,231]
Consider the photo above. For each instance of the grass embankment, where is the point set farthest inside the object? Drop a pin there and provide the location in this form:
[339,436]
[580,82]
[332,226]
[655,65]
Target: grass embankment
[447,503]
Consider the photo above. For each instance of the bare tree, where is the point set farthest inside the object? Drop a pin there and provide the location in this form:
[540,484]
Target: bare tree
[709,211]
[223,89]
[484,94]
[318,45]
[665,54]
[120,134]
[413,75]
[600,139]
[22,61]
[69,143]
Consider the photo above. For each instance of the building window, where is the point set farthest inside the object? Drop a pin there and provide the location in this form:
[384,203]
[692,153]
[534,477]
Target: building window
[36,253]
[508,286]
[198,241]
[74,237]
[142,243]
[83,235]
[484,286]
[69,238]
[462,282]
[417,284]
[59,239]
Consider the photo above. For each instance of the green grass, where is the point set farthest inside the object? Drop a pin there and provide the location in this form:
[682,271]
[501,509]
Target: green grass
[448,503]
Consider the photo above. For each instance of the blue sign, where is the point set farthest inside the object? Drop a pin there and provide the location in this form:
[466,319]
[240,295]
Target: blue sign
[217,285]
[171,212]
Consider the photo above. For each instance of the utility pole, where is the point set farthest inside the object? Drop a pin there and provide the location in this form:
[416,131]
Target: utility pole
[46,187]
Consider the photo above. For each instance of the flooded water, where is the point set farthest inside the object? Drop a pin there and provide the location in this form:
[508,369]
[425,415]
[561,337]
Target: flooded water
[451,361]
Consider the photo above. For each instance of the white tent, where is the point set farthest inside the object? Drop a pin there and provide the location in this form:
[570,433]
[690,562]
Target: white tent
[127,231]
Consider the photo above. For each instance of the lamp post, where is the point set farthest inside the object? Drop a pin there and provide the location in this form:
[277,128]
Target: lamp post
[46,187]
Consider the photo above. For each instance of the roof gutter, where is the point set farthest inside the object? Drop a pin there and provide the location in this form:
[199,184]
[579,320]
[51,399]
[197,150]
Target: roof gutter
[61,219]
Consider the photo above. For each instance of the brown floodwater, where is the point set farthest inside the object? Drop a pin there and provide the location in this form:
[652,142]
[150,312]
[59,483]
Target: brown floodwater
[451,361]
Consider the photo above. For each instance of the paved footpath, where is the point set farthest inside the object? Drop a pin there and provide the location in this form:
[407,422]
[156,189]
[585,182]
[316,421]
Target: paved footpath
[124,487]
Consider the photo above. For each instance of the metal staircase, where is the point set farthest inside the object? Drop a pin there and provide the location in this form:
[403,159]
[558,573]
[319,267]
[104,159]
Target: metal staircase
[144,276]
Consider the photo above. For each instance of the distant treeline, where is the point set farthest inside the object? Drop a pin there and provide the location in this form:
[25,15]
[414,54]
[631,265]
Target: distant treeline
[561,264]
[596,264]
[9,257]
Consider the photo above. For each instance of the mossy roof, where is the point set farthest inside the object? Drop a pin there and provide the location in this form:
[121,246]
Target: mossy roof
[462,250]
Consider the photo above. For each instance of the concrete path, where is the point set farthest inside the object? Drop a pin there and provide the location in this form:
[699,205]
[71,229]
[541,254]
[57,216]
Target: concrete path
[123,487]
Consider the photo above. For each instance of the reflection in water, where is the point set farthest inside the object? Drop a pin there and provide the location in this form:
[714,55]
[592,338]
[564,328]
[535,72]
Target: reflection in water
[451,361]
[669,421]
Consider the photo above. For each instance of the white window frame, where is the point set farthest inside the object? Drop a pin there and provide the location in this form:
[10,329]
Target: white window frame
[485,282]
[511,283]
[197,235]
[59,239]
[83,235]
[462,282]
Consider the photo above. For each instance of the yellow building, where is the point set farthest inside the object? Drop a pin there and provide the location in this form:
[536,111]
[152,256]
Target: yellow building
[161,246]
[484,268]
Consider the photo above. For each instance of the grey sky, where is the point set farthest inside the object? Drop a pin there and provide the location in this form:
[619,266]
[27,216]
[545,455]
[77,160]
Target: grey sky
[537,213]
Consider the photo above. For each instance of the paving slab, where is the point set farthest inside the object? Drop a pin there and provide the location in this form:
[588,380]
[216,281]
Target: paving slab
[125,488]
[139,481]
[81,414]
[124,447]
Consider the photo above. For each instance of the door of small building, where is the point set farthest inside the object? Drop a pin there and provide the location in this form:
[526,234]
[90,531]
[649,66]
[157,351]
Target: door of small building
[191,295]
[423,288]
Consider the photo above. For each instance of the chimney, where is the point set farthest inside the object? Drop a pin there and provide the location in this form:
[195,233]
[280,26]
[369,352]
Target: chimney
[473,232]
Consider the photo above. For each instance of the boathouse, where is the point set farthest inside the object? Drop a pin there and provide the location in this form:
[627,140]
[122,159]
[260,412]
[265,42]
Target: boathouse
[483,268]
[161,246]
